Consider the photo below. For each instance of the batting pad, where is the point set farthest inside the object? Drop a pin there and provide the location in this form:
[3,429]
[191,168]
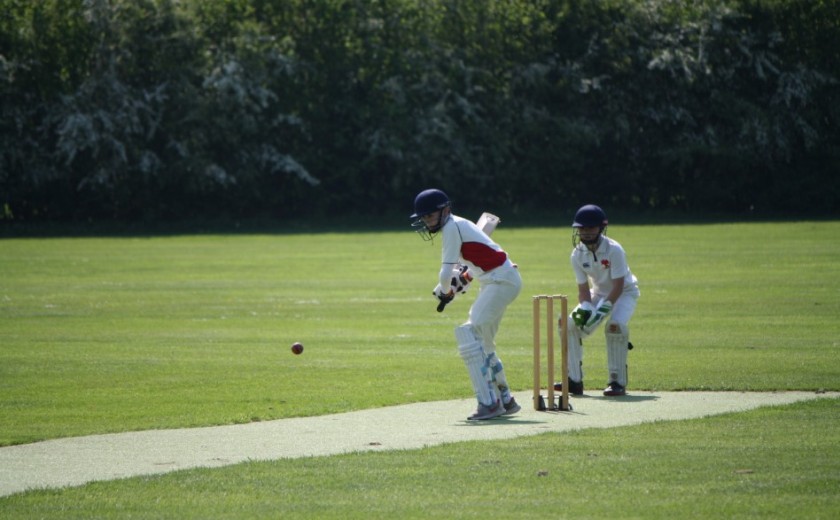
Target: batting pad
[476,362]
[617,354]
[498,375]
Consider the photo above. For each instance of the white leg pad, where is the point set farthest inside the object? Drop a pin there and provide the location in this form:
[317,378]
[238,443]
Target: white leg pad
[475,360]
[617,338]
[497,372]
[575,353]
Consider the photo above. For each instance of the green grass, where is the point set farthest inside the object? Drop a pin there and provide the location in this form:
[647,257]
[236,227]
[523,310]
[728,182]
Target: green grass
[117,334]
[767,463]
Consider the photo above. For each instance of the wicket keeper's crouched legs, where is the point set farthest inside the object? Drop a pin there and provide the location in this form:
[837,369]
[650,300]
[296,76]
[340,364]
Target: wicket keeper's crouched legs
[477,342]
[617,333]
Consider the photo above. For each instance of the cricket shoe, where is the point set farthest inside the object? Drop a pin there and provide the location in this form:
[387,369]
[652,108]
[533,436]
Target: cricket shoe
[575,387]
[614,390]
[485,412]
[511,407]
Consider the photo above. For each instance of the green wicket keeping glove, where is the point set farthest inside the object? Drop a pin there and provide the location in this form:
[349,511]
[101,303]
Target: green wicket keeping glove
[582,313]
[601,311]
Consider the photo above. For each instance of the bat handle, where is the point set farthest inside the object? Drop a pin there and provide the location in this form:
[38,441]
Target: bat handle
[441,306]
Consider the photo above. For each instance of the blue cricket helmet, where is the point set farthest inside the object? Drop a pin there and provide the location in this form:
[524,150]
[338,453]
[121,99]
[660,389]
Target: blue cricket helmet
[590,216]
[425,203]
[429,201]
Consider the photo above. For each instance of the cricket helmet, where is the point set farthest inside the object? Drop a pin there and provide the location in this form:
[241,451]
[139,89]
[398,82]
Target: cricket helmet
[589,216]
[429,201]
[425,203]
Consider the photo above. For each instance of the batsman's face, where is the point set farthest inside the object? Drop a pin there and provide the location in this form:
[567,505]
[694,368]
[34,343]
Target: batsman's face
[432,220]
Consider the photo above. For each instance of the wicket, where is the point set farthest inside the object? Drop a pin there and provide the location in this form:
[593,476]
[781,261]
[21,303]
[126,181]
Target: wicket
[539,403]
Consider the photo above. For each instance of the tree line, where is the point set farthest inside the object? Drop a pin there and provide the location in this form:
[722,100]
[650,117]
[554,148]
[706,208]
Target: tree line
[167,109]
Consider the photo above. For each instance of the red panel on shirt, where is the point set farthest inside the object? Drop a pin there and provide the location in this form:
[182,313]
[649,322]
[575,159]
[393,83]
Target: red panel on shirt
[482,255]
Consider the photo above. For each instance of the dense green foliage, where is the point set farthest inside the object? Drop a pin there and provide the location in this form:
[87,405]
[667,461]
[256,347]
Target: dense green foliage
[151,109]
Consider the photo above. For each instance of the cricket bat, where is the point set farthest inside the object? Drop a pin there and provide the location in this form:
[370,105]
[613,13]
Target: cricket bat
[487,222]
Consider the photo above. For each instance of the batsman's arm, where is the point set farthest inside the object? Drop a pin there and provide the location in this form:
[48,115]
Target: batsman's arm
[443,291]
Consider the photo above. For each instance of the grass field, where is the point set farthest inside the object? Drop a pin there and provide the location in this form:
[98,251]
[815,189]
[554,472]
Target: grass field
[118,334]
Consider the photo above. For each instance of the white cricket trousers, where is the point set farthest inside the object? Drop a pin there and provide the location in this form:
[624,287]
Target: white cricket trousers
[498,289]
[623,308]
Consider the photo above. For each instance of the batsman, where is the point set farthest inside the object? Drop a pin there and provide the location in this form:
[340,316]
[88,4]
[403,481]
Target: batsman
[469,253]
[607,293]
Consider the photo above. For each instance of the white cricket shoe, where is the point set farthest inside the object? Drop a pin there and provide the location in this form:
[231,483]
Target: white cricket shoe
[511,407]
[485,412]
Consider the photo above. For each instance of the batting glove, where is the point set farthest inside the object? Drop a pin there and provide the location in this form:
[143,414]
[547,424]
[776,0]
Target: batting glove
[461,279]
[447,296]
[444,298]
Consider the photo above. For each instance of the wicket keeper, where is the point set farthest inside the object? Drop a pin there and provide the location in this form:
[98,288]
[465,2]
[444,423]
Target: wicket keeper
[607,293]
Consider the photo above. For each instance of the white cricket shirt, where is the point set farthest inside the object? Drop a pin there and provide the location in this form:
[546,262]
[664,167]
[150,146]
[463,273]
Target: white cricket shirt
[465,243]
[599,268]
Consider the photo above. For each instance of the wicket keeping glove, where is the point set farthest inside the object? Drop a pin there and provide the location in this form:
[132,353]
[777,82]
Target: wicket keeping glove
[582,313]
[601,311]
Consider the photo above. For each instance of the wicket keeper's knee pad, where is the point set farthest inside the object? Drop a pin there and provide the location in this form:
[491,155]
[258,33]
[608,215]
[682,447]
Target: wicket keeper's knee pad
[613,328]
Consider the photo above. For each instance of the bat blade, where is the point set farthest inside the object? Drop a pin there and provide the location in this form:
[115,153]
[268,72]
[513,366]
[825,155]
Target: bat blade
[487,222]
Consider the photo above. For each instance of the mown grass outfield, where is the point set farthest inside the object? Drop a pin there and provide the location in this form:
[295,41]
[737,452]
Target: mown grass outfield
[117,334]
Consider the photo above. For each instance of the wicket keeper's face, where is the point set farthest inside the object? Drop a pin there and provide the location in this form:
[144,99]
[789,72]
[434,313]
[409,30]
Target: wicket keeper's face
[589,235]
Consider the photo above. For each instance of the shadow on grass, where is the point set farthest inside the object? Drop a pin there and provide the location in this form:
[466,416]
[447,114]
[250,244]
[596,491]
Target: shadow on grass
[629,398]
[371,223]
[505,420]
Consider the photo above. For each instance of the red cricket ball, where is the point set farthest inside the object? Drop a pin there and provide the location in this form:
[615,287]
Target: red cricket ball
[297,347]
